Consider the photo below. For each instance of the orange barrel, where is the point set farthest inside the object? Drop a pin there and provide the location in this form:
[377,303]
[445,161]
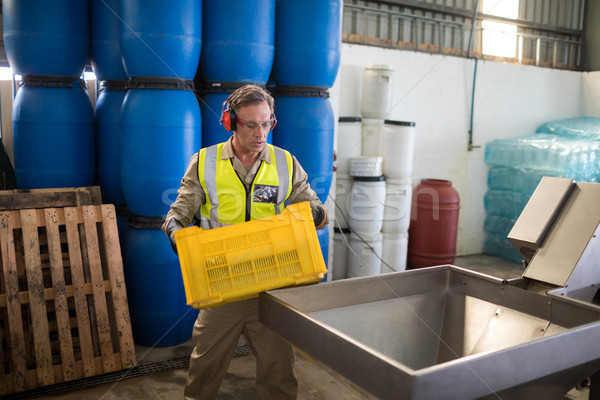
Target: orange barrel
[433,224]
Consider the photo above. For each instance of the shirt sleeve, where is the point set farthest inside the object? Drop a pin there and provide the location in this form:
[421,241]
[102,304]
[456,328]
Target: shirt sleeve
[301,191]
[190,196]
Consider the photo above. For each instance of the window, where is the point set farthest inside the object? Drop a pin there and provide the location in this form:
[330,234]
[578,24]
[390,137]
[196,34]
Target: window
[499,38]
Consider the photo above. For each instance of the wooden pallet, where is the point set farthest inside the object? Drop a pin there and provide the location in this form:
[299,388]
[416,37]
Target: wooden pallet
[18,199]
[63,305]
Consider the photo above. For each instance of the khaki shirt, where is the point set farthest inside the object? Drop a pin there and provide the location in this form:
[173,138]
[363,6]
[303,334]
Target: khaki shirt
[191,195]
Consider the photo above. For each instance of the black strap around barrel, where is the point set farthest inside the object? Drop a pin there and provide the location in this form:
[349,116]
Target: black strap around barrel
[223,87]
[151,82]
[299,91]
[51,81]
[113,85]
[142,222]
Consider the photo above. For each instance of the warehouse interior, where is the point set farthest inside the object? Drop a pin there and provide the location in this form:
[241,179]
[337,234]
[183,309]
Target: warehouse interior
[484,112]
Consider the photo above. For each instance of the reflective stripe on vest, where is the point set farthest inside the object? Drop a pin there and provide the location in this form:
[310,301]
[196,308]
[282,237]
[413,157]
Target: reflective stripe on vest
[226,197]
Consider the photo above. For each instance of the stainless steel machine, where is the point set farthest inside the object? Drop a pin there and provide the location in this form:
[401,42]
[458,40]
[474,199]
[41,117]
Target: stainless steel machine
[449,333]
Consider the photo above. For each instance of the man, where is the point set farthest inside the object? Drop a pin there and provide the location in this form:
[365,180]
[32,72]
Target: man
[240,180]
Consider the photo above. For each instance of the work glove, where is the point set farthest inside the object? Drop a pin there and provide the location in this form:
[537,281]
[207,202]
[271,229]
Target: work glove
[173,226]
[318,214]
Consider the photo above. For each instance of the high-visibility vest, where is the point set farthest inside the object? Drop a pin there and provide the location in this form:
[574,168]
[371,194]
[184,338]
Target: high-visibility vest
[226,197]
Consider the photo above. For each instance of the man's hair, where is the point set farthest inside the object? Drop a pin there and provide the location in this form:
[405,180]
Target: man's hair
[249,94]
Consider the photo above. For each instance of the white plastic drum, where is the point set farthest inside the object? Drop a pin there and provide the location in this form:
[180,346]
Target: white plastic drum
[398,148]
[349,142]
[396,211]
[376,99]
[365,255]
[366,166]
[341,245]
[365,206]
[394,250]
[371,137]
[343,188]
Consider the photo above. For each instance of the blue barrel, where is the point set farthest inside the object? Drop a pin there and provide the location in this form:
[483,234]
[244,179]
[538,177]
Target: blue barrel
[104,39]
[323,236]
[108,140]
[160,131]
[305,126]
[238,40]
[163,38]
[307,53]
[155,292]
[53,133]
[212,131]
[46,37]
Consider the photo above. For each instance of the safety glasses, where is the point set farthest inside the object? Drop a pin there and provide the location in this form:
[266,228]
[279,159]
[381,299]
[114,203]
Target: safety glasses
[253,125]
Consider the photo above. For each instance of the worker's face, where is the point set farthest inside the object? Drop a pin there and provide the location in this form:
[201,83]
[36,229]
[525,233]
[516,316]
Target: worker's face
[253,127]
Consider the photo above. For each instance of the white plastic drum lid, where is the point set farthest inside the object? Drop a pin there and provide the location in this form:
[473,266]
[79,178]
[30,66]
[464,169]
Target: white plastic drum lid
[343,189]
[341,244]
[376,99]
[349,142]
[371,137]
[394,251]
[365,207]
[398,148]
[396,212]
[364,258]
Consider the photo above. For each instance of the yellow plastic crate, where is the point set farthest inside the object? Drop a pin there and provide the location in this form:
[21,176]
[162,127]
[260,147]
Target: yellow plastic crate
[239,261]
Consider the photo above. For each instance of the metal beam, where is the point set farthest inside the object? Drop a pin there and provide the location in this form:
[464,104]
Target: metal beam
[469,14]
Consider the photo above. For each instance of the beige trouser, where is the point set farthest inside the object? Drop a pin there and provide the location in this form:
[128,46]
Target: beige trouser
[216,334]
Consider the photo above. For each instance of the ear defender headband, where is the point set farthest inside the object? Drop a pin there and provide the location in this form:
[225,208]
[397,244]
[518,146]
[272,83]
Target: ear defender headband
[229,119]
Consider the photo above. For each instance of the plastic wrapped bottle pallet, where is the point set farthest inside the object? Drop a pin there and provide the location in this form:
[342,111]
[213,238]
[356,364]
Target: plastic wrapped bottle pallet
[218,266]
[580,127]
[565,156]
[523,180]
[500,246]
[498,224]
[505,203]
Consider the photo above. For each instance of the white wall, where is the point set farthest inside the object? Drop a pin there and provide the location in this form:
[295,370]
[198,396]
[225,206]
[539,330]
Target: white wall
[591,93]
[434,91]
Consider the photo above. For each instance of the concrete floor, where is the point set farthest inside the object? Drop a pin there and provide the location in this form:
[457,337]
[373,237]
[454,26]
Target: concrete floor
[316,382]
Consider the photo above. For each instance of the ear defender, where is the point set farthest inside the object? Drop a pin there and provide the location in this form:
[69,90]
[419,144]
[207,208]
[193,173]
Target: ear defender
[228,118]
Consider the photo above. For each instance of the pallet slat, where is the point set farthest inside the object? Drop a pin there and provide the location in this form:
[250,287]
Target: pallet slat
[60,295]
[85,334]
[102,321]
[15,323]
[118,293]
[18,199]
[37,302]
